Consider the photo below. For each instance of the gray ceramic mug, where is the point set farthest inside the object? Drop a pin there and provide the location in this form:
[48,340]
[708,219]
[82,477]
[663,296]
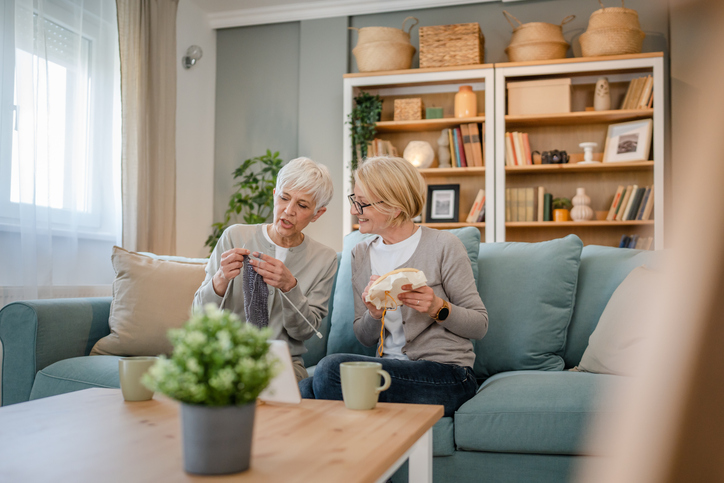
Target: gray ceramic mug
[361,383]
[130,370]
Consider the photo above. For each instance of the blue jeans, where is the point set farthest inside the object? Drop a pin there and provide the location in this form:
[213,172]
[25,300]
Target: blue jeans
[416,382]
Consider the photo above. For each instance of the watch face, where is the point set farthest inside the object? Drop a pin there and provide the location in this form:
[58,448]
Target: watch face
[444,312]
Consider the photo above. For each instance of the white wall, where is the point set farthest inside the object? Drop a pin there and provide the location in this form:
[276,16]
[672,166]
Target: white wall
[195,105]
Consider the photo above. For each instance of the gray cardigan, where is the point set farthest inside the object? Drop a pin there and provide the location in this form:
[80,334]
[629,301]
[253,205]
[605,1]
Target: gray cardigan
[445,262]
[313,265]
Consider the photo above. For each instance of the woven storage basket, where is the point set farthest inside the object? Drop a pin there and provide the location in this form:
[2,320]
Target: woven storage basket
[376,56]
[536,40]
[384,34]
[408,109]
[449,45]
[611,41]
[614,17]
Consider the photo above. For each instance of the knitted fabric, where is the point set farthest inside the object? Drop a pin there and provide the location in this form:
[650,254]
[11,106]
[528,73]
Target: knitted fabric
[256,296]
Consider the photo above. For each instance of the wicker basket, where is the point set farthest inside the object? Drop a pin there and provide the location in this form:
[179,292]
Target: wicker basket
[449,45]
[614,17]
[408,109]
[536,40]
[611,41]
[384,34]
[376,56]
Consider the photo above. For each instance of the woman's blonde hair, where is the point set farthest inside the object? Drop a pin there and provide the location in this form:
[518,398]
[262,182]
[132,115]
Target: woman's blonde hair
[394,181]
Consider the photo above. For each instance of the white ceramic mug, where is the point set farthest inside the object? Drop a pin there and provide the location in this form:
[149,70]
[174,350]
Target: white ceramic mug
[130,370]
[361,383]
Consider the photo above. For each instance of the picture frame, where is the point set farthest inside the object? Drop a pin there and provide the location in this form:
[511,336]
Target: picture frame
[628,141]
[443,203]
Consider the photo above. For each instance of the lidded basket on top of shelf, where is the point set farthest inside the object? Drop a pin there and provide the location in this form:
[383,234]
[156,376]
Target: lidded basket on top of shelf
[536,40]
[451,45]
[384,48]
[612,31]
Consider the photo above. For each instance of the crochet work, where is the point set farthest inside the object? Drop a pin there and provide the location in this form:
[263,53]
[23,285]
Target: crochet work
[256,296]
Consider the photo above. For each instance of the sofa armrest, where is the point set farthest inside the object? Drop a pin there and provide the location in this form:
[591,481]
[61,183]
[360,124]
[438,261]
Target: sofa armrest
[37,333]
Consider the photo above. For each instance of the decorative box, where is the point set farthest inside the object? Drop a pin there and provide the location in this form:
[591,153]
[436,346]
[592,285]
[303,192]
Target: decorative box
[408,109]
[433,113]
[548,96]
[448,45]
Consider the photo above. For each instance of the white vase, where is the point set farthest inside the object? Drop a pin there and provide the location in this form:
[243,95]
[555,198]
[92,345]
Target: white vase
[602,95]
[581,210]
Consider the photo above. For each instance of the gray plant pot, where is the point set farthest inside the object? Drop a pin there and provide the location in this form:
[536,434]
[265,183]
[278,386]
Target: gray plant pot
[217,440]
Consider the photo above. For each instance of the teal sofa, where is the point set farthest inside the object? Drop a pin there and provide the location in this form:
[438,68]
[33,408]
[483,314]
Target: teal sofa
[529,418]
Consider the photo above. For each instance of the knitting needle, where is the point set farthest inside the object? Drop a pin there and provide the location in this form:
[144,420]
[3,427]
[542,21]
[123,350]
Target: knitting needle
[300,313]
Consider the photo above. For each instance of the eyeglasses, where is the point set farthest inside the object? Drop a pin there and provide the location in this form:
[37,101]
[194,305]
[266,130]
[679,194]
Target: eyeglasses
[359,207]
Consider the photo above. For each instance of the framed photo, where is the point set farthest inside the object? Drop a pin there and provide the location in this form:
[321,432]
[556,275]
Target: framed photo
[443,201]
[628,141]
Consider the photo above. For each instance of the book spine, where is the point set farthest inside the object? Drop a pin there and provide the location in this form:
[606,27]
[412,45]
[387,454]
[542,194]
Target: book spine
[631,214]
[530,204]
[453,159]
[454,144]
[467,146]
[624,203]
[461,149]
[509,160]
[548,202]
[541,204]
[508,201]
[476,207]
[481,216]
[642,206]
[649,205]
[614,203]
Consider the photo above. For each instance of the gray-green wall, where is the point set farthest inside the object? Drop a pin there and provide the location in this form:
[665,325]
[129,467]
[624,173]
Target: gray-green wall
[280,86]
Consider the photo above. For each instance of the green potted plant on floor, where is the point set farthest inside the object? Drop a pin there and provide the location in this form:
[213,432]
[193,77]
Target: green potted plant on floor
[561,207]
[362,121]
[218,368]
[254,195]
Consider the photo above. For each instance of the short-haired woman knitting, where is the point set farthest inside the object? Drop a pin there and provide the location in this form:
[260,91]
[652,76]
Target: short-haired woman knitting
[426,344]
[282,258]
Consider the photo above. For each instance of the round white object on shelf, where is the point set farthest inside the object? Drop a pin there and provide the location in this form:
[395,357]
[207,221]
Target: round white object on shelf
[588,153]
[419,154]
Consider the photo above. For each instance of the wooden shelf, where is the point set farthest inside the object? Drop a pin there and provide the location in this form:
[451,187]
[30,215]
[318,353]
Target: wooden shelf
[441,226]
[568,224]
[427,70]
[452,171]
[575,168]
[585,117]
[425,124]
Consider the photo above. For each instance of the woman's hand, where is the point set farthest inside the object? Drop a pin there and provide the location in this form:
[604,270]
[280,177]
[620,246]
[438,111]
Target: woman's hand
[422,299]
[374,311]
[274,272]
[229,268]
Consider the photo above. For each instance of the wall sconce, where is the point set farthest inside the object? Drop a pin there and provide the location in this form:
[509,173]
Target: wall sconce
[193,54]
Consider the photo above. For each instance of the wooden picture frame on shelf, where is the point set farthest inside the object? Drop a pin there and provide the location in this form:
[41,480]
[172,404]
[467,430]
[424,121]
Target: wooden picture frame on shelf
[628,141]
[443,203]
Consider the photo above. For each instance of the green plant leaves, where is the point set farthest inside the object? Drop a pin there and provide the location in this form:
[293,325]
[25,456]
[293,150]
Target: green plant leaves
[362,121]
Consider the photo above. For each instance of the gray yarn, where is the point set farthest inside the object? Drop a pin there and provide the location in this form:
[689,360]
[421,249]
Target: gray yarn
[256,296]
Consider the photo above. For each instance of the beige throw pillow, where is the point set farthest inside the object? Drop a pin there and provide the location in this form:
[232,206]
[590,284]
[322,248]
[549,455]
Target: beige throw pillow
[150,296]
[616,343]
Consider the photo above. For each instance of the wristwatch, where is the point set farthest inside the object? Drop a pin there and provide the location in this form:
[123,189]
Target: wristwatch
[443,312]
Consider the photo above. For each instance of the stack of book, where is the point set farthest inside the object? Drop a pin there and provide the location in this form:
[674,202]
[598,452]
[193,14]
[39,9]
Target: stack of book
[467,145]
[517,149]
[635,241]
[477,211]
[631,203]
[381,147]
[640,94]
[528,204]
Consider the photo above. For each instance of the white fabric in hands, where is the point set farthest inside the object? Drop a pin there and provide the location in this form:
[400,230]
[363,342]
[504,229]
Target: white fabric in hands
[391,283]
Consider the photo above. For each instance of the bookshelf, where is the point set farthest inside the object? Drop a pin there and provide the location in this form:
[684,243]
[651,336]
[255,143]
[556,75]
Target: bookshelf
[565,131]
[436,87]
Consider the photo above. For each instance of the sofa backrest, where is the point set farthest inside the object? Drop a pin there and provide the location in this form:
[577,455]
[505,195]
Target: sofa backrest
[602,271]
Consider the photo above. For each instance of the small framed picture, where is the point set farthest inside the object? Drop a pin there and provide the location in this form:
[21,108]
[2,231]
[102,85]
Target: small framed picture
[443,201]
[628,141]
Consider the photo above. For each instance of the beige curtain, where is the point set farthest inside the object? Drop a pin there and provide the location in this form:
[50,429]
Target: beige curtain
[147,37]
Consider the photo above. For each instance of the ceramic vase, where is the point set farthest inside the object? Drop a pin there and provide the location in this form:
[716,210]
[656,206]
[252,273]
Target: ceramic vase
[443,150]
[581,210]
[466,102]
[602,96]
[217,439]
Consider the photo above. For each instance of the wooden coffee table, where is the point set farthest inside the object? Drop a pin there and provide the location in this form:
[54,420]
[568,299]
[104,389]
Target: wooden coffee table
[95,435]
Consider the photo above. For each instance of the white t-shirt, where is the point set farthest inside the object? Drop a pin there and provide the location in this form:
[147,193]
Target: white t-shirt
[280,253]
[383,259]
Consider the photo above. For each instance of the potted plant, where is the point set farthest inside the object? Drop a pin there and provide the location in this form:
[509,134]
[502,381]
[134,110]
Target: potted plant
[218,367]
[560,208]
[362,121]
[254,194]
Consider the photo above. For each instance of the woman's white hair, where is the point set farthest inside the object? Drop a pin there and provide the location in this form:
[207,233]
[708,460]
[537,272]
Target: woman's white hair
[303,174]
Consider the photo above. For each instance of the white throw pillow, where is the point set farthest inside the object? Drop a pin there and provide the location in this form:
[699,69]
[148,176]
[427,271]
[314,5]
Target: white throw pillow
[616,343]
[150,296]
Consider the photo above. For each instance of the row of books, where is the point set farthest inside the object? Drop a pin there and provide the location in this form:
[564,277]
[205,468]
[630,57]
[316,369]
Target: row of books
[635,241]
[528,204]
[477,211]
[640,93]
[380,147]
[466,145]
[517,149]
[631,203]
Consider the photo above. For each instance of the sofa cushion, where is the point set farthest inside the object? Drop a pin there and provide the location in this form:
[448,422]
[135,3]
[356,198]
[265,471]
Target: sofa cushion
[535,412]
[76,374]
[529,291]
[602,270]
[443,437]
[341,335]
[150,296]
[316,347]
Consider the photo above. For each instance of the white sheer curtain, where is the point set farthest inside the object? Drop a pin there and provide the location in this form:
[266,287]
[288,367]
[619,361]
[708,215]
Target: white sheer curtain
[59,148]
